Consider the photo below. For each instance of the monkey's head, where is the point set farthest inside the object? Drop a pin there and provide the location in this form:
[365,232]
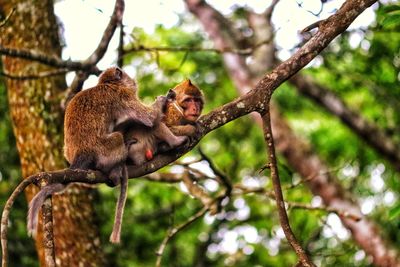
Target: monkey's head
[117,76]
[190,98]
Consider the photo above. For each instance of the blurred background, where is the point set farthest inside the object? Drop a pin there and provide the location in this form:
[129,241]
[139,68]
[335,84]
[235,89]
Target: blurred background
[343,111]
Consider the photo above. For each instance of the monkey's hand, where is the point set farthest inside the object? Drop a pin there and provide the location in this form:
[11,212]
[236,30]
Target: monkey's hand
[160,104]
[115,175]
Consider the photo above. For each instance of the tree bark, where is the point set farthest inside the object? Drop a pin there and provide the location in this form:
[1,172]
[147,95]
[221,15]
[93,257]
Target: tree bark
[37,120]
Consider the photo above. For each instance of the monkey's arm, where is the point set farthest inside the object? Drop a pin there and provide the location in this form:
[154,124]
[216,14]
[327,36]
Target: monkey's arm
[139,116]
[180,130]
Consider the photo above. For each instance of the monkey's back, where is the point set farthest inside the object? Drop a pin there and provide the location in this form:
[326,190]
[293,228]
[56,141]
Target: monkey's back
[86,119]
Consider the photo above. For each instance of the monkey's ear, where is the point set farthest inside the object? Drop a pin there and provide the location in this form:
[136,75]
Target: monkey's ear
[118,73]
[171,95]
[189,82]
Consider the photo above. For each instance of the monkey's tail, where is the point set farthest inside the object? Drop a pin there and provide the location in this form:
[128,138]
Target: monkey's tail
[119,212]
[37,203]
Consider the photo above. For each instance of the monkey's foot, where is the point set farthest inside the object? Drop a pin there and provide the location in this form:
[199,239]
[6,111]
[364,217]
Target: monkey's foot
[115,176]
[179,140]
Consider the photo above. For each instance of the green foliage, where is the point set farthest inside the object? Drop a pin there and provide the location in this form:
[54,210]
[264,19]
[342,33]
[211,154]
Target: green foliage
[391,18]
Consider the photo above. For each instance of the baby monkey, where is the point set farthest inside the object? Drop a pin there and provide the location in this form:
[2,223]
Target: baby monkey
[184,107]
[184,104]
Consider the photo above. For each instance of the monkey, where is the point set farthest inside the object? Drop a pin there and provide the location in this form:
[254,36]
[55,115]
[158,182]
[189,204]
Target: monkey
[184,106]
[90,138]
[144,142]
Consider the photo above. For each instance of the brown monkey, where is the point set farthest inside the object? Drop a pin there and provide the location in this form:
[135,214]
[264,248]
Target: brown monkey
[90,141]
[184,109]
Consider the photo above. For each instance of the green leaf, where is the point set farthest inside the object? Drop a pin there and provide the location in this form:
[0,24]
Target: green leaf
[392,20]
[390,8]
[394,212]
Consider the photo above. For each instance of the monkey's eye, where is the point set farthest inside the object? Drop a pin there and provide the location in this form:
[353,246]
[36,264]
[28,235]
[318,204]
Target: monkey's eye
[132,141]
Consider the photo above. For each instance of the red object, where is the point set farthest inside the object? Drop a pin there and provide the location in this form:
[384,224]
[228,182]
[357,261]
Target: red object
[149,154]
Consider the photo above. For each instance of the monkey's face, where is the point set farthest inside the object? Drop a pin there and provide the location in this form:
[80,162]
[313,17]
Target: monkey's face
[192,107]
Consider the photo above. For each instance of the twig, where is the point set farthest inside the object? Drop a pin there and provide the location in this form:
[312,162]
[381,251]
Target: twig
[6,214]
[223,178]
[115,20]
[295,205]
[244,52]
[47,59]
[7,18]
[120,59]
[283,218]
[44,74]
[172,232]
[198,192]
[312,26]
[352,216]
[48,235]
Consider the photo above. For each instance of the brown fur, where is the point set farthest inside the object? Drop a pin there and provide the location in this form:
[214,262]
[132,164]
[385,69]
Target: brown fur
[141,139]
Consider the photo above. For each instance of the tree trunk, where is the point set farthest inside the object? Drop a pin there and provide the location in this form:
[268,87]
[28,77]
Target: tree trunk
[37,120]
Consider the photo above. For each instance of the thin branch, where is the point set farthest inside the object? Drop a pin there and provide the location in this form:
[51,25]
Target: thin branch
[44,74]
[283,218]
[198,192]
[295,205]
[172,232]
[347,214]
[116,19]
[47,59]
[7,18]
[269,10]
[48,235]
[244,52]
[312,26]
[120,50]
[6,214]
[222,177]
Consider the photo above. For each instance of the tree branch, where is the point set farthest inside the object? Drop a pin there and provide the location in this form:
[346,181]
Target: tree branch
[280,203]
[7,18]
[172,232]
[116,19]
[372,134]
[48,60]
[48,238]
